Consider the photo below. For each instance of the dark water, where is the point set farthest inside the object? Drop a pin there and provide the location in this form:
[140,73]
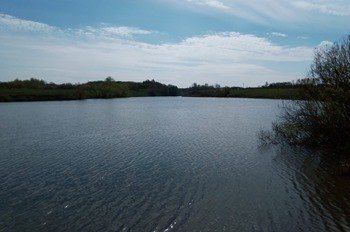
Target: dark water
[159,164]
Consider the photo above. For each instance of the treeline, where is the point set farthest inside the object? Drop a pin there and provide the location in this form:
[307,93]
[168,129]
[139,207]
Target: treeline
[36,90]
[39,90]
[153,88]
[284,90]
[300,83]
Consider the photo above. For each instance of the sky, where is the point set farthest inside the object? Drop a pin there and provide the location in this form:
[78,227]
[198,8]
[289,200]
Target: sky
[180,42]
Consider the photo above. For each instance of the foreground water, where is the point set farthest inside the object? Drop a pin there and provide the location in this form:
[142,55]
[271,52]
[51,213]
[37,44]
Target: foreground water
[158,164]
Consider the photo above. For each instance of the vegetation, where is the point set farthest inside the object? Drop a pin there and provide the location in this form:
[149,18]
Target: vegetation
[322,120]
[39,90]
[286,90]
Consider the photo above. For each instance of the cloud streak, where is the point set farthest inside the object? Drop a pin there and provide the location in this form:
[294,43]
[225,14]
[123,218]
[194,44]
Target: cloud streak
[277,34]
[331,7]
[111,31]
[9,22]
[267,11]
[211,3]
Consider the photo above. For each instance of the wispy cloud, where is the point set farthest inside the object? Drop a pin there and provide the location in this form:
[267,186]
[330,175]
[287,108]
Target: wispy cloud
[211,3]
[326,44]
[277,34]
[332,7]
[12,23]
[267,11]
[302,37]
[119,31]
[229,58]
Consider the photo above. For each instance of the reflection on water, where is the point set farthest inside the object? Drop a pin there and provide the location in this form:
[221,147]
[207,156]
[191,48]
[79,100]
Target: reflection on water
[324,193]
[158,164]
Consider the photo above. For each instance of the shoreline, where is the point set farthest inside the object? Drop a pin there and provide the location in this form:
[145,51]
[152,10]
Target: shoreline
[76,99]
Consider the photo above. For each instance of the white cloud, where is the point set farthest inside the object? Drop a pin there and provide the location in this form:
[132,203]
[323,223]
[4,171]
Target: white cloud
[277,34]
[326,44]
[302,37]
[15,24]
[331,7]
[12,23]
[228,58]
[118,31]
[211,3]
[233,45]
[271,11]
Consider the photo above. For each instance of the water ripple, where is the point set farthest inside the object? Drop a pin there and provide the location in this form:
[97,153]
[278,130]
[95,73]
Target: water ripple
[157,164]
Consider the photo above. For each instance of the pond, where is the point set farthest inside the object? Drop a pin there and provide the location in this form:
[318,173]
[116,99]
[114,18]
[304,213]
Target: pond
[159,164]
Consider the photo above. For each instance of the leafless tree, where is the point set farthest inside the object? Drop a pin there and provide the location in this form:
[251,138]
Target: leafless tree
[322,119]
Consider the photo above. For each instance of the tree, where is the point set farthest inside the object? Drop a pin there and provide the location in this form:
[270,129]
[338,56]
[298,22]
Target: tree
[322,120]
[109,79]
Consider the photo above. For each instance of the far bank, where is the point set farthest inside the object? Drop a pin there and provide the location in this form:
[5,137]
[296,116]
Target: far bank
[39,90]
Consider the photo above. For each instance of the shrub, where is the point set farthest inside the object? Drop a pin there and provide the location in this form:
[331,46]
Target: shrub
[322,120]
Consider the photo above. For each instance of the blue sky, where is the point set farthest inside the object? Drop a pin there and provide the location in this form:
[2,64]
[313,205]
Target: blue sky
[230,42]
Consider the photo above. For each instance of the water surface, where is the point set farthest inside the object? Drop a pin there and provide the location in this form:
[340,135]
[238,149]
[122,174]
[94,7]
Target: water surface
[158,164]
